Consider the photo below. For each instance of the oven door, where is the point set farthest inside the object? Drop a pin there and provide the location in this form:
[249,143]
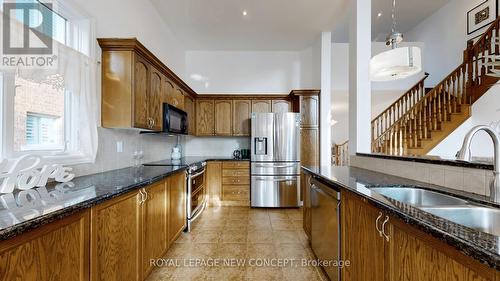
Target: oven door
[197,193]
[275,191]
[175,121]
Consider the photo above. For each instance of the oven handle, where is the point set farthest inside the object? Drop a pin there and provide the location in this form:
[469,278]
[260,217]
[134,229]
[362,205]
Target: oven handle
[197,174]
[275,166]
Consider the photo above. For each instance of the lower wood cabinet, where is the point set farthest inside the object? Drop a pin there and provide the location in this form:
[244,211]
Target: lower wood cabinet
[116,252]
[57,251]
[155,217]
[399,251]
[236,182]
[214,182]
[177,205]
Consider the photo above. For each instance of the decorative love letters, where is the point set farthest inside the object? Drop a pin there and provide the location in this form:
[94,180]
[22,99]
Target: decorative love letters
[29,171]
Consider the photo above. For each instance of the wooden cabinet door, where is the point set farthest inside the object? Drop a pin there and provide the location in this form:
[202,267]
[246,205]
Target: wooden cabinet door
[309,151]
[305,182]
[205,117]
[168,92]
[155,225]
[178,99]
[261,106]
[116,239]
[141,92]
[415,256]
[177,205]
[214,182]
[309,110]
[241,117]
[223,117]
[361,242]
[56,251]
[189,107]
[155,99]
[279,106]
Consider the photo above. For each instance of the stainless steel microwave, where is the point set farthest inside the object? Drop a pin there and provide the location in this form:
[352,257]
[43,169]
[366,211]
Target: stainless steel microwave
[175,120]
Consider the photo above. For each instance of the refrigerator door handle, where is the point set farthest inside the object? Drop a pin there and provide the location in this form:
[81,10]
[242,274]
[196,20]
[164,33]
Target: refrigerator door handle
[275,179]
[276,166]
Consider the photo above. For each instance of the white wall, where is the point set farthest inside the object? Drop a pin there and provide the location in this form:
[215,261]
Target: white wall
[444,34]
[383,93]
[248,71]
[132,18]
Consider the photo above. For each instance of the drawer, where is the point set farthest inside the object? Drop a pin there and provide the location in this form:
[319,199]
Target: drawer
[235,172]
[235,193]
[235,164]
[236,180]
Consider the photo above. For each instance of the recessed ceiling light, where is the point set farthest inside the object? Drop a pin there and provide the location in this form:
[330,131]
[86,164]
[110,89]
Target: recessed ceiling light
[379,15]
[244,13]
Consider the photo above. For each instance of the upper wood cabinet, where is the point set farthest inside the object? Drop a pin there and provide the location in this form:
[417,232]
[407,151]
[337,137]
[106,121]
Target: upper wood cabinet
[116,239]
[309,110]
[56,251]
[135,84]
[241,117]
[261,106]
[223,117]
[189,107]
[280,106]
[205,117]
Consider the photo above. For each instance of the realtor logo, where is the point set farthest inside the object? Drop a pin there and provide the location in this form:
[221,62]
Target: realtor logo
[27,35]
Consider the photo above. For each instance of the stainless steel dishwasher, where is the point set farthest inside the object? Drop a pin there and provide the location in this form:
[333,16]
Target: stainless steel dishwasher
[325,230]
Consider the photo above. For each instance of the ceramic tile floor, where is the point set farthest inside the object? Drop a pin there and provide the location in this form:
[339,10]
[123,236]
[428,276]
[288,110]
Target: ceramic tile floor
[245,235]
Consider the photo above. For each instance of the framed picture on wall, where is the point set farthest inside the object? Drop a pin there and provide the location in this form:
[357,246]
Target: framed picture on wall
[481,15]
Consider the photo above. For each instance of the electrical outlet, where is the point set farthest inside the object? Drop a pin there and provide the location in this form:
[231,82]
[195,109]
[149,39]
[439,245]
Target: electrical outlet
[119,146]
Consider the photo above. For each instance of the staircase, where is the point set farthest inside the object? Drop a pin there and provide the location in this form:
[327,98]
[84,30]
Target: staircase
[421,118]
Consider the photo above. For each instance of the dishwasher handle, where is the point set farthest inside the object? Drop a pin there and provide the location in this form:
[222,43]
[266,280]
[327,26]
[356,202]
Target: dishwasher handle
[325,190]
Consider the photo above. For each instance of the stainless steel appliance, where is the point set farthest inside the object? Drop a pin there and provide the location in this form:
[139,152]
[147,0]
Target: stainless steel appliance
[175,121]
[325,225]
[196,192]
[275,160]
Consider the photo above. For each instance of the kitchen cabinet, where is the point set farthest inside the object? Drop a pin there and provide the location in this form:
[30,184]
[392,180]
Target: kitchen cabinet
[155,224]
[382,247]
[177,205]
[281,106]
[135,84]
[56,251]
[309,149]
[205,117]
[236,183]
[223,117]
[189,107]
[362,244]
[309,111]
[214,182]
[116,252]
[241,117]
[305,187]
[261,106]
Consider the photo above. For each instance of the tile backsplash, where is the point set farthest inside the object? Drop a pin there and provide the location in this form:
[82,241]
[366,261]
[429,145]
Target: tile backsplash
[466,179]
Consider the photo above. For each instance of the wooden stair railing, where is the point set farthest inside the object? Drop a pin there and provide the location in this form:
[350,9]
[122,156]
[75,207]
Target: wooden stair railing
[417,125]
[341,154]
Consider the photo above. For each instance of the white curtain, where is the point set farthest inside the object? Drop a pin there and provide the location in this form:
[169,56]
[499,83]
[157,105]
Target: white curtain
[76,73]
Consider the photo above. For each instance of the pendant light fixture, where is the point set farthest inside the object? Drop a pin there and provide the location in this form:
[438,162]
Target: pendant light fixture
[398,62]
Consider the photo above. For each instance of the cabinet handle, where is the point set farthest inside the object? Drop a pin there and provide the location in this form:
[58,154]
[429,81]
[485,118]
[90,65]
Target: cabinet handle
[146,195]
[383,228]
[141,200]
[376,224]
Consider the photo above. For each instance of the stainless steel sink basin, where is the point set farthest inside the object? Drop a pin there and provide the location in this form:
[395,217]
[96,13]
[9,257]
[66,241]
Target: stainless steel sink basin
[419,197]
[476,217]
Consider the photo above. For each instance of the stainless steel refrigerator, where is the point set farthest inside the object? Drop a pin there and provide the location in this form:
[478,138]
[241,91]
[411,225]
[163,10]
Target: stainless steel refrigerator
[275,160]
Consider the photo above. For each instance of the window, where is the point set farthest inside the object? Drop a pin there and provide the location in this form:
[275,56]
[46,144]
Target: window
[52,112]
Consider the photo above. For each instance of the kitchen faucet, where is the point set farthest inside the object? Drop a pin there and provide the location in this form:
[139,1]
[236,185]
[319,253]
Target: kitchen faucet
[464,154]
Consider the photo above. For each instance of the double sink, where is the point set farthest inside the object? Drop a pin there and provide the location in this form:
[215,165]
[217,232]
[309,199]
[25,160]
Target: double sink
[457,210]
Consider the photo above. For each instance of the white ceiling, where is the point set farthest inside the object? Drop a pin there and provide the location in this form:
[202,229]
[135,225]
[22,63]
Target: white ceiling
[276,24]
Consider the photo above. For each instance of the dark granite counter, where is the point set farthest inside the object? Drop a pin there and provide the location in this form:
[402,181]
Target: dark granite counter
[190,160]
[481,246]
[476,163]
[25,210]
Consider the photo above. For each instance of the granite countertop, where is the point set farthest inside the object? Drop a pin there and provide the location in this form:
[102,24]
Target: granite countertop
[190,160]
[22,211]
[481,246]
[476,163]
